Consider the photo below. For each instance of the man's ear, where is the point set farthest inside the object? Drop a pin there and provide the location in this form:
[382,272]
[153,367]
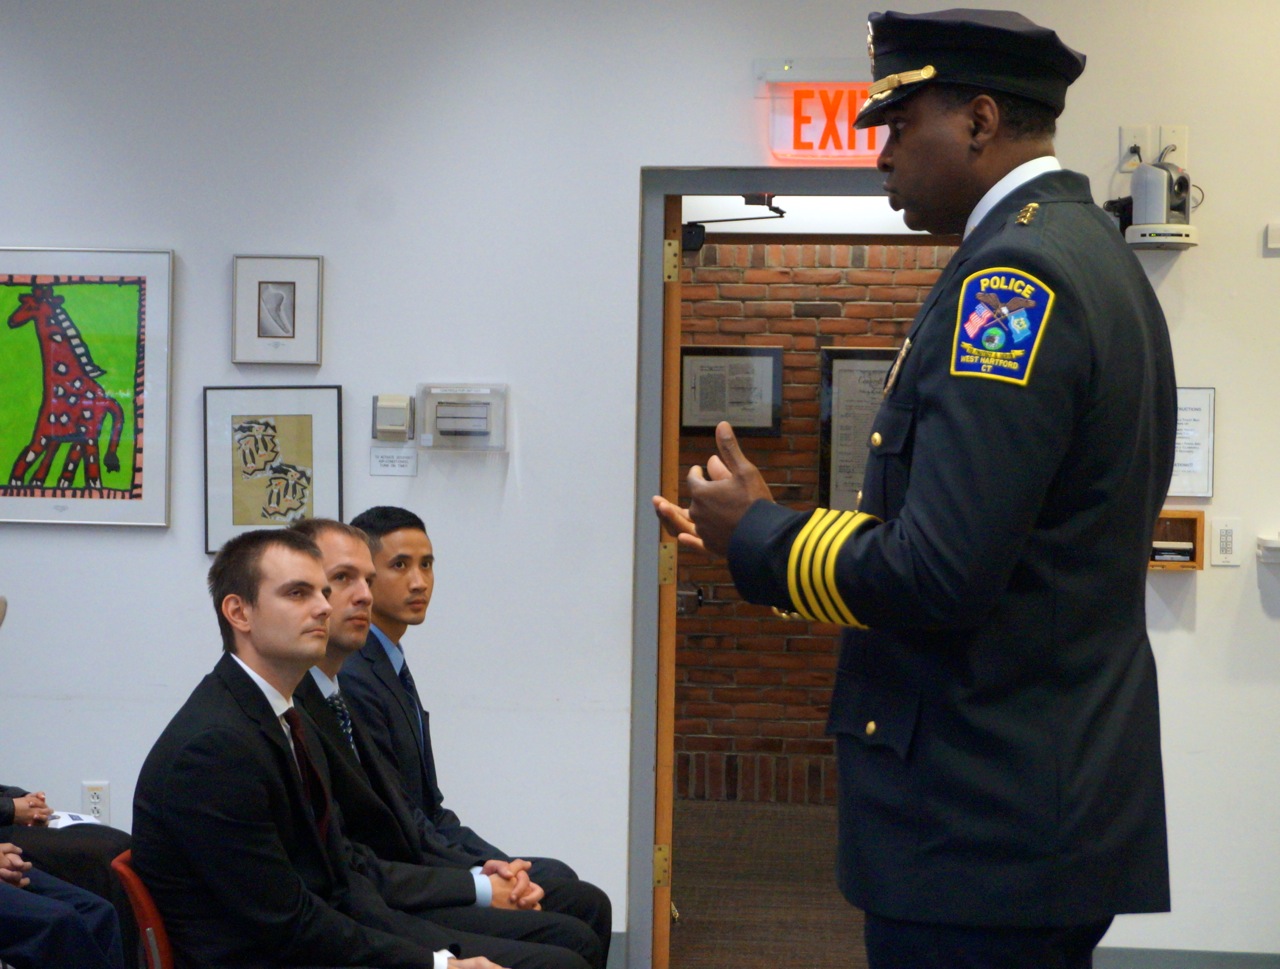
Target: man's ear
[236,611]
[984,121]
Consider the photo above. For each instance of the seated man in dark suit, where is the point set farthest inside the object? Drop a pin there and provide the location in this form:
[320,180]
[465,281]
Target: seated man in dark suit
[368,792]
[234,832]
[46,923]
[380,690]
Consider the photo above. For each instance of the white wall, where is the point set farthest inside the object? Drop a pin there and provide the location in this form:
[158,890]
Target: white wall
[419,147]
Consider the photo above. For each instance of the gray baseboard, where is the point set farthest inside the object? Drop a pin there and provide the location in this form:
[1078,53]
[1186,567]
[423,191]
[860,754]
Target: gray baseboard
[617,951]
[1113,958]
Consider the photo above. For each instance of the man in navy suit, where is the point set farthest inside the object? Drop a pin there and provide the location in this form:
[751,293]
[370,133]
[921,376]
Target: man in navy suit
[380,688]
[46,923]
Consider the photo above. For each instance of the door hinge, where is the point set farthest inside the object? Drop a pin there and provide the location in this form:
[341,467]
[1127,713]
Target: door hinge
[670,260]
[667,563]
[661,866]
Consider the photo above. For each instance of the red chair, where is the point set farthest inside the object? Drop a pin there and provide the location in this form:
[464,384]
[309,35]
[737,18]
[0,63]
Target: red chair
[153,940]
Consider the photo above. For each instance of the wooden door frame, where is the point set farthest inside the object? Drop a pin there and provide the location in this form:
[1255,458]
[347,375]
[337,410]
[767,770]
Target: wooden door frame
[656,186]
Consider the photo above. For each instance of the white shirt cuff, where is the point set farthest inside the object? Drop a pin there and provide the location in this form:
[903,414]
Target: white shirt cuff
[442,959]
[484,888]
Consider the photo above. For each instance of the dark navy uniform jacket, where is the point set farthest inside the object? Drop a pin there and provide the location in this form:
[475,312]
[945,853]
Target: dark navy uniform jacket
[995,707]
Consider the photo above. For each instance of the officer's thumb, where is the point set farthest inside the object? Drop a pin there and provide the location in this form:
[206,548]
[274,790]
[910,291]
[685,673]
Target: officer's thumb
[730,453]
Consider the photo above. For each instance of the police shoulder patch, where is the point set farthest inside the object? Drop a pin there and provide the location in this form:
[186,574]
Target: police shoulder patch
[1001,317]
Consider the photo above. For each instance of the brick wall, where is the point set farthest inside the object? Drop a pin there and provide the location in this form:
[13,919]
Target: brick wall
[752,689]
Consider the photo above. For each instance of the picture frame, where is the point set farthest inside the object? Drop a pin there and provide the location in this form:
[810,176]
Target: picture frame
[272,455]
[277,309]
[851,387]
[738,384]
[85,366]
[1193,454]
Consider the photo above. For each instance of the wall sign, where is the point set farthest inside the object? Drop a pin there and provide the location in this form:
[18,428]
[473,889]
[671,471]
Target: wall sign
[813,122]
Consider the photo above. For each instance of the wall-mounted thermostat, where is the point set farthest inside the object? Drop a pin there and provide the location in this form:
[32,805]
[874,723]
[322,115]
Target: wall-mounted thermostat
[463,417]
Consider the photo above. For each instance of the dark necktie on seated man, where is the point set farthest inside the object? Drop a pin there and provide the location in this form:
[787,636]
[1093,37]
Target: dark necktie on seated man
[406,680]
[312,785]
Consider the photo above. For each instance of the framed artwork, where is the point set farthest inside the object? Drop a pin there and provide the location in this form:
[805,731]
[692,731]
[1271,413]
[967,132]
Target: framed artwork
[851,388]
[84,363]
[1193,453]
[276,302]
[741,385]
[272,455]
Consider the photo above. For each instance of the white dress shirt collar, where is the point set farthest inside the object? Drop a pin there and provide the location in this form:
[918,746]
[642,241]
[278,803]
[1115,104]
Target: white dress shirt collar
[1015,179]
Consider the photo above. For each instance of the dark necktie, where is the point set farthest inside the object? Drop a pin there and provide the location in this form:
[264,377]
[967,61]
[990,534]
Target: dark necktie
[406,680]
[339,707]
[312,785]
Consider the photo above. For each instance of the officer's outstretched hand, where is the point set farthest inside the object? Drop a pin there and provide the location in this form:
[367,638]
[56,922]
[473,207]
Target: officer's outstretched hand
[719,498]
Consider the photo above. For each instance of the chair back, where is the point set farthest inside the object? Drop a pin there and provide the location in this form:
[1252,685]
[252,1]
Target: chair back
[153,940]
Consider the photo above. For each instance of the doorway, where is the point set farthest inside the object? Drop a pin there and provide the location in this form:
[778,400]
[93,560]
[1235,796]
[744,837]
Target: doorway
[659,186]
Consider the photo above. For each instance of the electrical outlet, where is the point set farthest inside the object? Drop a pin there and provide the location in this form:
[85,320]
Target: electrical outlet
[1179,137]
[95,800]
[1226,545]
[1134,135]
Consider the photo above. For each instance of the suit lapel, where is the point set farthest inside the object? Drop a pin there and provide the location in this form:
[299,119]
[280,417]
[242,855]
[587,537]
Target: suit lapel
[255,707]
[408,706]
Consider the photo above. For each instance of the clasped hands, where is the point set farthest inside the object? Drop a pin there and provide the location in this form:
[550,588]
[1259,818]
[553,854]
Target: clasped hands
[31,810]
[511,885]
[718,499]
[13,869]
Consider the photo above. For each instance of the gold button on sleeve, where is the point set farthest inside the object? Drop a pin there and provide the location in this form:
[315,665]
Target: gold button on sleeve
[876,439]
[871,728]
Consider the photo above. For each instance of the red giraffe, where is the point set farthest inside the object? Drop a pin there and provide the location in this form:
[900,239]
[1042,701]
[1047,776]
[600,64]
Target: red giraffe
[74,406]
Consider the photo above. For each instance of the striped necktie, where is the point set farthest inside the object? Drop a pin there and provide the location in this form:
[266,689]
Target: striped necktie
[339,707]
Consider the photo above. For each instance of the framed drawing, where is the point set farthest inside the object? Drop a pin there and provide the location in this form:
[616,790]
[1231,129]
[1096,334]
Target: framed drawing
[84,362]
[851,387]
[276,302]
[272,455]
[1193,452]
[741,385]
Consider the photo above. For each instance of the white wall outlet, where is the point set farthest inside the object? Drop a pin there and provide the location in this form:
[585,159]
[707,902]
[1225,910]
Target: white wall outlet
[1179,136]
[95,800]
[1132,135]
[1226,542]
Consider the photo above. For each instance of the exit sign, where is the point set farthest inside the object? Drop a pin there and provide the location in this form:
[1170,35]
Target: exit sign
[814,122]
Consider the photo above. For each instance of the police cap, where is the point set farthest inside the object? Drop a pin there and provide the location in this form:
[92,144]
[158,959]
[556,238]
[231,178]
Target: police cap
[997,50]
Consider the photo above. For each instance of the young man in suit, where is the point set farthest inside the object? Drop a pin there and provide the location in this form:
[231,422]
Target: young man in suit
[234,831]
[380,689]
[367,790]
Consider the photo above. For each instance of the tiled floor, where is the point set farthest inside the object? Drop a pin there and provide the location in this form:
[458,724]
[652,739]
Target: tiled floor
[755,888]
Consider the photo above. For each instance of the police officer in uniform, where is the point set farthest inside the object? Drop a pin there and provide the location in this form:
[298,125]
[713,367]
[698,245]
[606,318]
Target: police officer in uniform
[1001,791]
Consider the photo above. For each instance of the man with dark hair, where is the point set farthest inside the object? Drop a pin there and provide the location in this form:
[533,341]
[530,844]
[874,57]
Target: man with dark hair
[365,787]
[995,709]
[234,830]
[380,689]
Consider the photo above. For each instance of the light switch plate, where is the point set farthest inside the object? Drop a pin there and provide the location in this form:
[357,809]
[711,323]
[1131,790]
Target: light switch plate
[1226,542]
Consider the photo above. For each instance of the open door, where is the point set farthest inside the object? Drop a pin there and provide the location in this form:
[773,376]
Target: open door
[664,779]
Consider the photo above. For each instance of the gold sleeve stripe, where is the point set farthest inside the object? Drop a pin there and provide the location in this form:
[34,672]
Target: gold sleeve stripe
[811,565]
[800,562]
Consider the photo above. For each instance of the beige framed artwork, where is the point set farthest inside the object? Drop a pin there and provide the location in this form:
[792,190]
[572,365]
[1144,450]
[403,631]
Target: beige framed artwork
[273,455]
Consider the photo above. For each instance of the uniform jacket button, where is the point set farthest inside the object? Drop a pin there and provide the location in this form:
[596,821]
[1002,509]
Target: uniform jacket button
[876,439]
[871,728]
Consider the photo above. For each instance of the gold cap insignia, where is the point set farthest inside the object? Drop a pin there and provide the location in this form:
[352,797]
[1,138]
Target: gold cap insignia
[1028,213]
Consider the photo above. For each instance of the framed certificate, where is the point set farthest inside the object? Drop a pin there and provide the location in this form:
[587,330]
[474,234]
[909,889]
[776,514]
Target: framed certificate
[851,387]
[741,385]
